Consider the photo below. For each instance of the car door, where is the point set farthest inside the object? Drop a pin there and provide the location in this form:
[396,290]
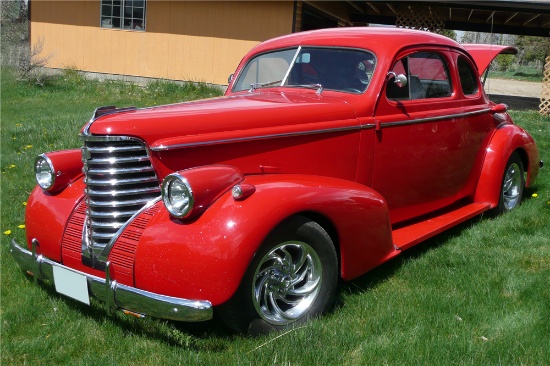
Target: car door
[420,164]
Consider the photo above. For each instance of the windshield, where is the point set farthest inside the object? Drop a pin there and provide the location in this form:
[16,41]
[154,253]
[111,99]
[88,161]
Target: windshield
[346,70]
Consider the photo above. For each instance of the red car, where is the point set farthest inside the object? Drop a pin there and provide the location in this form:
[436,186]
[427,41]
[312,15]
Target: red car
[331,152]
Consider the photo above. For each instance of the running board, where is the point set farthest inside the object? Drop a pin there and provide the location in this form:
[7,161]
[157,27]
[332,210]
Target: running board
[410,235]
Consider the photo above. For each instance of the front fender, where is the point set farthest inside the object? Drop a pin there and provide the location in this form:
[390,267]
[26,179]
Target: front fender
[46,216]
[207,257]
[505,141]
[67,165]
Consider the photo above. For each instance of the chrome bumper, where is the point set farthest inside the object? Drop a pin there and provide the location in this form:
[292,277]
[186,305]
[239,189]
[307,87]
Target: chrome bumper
[116,295]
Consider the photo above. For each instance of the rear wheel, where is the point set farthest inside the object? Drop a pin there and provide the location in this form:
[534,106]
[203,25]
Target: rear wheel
[292,278]
[513,182]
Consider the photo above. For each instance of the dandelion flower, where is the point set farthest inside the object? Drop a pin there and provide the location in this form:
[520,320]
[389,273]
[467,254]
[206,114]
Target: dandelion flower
[28,147]
[24,203]
[22,226]
[12,166]
[535,195]
[7,232]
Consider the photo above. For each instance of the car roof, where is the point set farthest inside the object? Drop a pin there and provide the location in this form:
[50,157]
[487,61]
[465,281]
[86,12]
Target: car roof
[377,39]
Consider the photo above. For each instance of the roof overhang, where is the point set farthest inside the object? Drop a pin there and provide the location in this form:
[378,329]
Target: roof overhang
[530,17]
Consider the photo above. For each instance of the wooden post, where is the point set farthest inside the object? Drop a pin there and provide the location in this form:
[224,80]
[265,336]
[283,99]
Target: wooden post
[544,106]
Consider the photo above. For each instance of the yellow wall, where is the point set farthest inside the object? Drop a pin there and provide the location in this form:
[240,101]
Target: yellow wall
[183,40]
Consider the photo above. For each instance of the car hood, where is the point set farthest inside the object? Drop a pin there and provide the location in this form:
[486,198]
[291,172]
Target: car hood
[484,54]
[236,116]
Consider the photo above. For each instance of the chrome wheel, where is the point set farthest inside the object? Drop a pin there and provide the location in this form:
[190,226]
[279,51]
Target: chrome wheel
[293,277]
[512,186]
[286,282]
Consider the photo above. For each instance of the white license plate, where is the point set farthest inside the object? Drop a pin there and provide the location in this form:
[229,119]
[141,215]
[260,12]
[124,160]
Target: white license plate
[71,284]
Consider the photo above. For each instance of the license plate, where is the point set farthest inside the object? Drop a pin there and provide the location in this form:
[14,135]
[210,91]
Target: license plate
[71,284]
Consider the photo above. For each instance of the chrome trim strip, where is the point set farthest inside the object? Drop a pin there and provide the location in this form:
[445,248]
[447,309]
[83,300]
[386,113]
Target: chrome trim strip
[434,119]
[122,192]
[103,111]
[315,132]
[118,170]
[118,203]
[120,160]
[114,182]
[264,137]
[102,138]
[105,252]
[114,294]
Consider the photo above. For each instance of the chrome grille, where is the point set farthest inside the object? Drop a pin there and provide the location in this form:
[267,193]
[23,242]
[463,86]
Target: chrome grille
[120,181]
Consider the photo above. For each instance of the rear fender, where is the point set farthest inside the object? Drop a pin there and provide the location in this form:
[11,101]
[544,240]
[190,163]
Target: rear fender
[507,139]
[206,258]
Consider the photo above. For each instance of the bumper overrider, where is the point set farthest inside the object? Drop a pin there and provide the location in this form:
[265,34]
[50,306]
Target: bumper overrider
[80,286]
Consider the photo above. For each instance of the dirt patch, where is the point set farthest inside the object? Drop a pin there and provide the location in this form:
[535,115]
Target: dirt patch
[513,87]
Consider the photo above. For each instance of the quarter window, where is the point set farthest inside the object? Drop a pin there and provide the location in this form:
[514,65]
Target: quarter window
[427,75]
[123,14]
[468,78]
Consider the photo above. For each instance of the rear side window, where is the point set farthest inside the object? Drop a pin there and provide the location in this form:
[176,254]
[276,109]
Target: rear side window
[427,74]
[468,77]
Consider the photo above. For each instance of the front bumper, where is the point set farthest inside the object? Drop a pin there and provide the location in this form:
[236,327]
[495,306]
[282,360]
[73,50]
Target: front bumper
[115,295]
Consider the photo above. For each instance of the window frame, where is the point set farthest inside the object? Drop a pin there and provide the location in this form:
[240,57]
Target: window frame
[122,16]
[461,58]
[404,60]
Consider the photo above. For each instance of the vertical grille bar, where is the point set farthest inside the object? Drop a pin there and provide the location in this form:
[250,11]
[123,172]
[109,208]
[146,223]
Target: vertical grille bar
[120,181]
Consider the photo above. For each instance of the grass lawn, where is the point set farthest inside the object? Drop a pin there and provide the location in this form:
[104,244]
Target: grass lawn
[478,294]
[523,73]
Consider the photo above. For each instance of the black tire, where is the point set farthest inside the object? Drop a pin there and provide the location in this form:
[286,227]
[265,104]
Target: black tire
[292,278]
[513,183]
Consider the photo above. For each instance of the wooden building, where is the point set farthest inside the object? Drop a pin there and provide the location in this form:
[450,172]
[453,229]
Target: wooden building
[205,40]
[180,40]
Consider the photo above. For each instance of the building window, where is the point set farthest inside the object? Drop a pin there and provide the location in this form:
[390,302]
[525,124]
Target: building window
[123,14]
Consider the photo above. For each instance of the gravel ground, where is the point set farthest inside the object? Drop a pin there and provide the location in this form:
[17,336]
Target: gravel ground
[513,87]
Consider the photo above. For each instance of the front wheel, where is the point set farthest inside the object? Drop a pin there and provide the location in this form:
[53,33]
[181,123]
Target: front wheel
[292,278]
[513,182]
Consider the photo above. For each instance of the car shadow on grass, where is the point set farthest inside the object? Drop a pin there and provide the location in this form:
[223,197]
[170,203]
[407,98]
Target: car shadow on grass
[382,273]
[196,337]
[385,271]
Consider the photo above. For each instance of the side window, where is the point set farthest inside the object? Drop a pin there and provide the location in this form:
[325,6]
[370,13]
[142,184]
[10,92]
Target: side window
[468,78]
[427,74]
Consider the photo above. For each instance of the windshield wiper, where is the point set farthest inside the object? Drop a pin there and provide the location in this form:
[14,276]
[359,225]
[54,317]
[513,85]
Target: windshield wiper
[319,87]
[263,85]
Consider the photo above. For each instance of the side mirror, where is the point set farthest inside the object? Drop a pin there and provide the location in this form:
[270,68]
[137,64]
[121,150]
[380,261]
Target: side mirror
[400,80]
[230,78]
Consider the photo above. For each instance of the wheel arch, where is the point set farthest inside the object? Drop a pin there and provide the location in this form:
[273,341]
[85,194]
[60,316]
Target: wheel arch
[225,238]
[506,140]
[326,223]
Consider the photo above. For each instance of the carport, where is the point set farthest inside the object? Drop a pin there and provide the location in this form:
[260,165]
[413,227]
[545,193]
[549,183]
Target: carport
[530,18]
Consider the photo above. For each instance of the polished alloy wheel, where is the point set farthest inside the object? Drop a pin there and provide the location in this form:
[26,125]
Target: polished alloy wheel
[286,282]
[511,189]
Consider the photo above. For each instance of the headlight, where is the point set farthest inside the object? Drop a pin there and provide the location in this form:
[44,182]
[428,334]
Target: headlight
[44,172]
[177,195]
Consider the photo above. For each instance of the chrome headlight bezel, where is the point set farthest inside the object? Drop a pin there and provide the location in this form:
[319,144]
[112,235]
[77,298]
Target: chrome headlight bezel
[44,172]
[177,195]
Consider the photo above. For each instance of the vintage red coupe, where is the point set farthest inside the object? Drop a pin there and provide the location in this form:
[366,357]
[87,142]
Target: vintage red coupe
[331,152]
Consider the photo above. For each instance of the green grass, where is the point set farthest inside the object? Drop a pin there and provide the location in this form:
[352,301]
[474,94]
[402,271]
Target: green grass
[522,73]
[478,294]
